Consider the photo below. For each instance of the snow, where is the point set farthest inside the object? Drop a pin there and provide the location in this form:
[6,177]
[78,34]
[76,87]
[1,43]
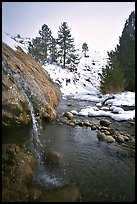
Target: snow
[76,86]
[120,116]
[10,42]
[14,42]
[83,83]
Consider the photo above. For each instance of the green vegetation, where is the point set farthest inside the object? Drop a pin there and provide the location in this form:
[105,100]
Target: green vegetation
[48,49]
[85,49]
[119,74]
[41,47]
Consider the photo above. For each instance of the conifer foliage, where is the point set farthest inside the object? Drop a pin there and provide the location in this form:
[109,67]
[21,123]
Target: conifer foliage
[37,50]
[43,48]
[48,49]
[66,45]
[119,74]
[85,49]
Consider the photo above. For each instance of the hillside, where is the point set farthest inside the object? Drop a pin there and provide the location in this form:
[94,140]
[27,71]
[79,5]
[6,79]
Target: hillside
[26,88]
[83,79]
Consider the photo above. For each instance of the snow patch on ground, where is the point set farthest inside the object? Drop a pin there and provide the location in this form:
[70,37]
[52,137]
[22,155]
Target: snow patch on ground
[82,82]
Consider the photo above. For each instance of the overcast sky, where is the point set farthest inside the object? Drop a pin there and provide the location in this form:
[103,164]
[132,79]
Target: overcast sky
[99,24]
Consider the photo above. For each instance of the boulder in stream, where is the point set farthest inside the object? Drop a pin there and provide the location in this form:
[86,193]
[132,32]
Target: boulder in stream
[52,158]
[105,122]
[67,193]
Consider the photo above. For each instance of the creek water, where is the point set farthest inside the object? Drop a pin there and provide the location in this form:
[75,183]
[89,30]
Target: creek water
[102,172]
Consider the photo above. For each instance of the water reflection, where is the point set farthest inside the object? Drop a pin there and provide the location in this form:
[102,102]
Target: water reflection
[104,172]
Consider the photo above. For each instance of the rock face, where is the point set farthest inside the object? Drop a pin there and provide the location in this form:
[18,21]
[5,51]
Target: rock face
[17,165]
[22,75]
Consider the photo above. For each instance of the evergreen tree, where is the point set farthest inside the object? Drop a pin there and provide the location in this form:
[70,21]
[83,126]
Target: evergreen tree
[119,74]
[112,78]
[42,47]
[53,50]
[126,52]
[37,50]
[46,38]
[66,44]
[85,49]
[18,36]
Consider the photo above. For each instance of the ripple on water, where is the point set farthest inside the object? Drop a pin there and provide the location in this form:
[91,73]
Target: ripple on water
[100,170]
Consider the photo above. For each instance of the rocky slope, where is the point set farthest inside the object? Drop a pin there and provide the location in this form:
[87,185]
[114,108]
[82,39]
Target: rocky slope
[25,83]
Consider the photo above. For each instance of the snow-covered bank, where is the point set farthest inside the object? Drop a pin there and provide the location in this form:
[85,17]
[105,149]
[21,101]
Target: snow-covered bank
[120,115]
[112,107]
[83,82]
[77,85]
[14,42]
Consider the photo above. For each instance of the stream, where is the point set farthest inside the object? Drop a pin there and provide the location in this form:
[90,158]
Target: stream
[102,172]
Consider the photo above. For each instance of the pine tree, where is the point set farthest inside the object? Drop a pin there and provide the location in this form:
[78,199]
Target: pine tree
[126,52]
[37,50]
[119,74]
[46,38]
[42,47]
[66,44]
[53,50]
[112,78]
[85,49]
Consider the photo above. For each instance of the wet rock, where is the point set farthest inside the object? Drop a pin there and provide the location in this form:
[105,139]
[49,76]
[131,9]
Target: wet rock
[116,133]
[101,135]
[109,139]
[42,91]
[111,130]
[98,127]
[93,127]
[86,123]
[68,193]
[81,123]
[107,132]
[77,122]
[63,120]
[120,139]
[105,122]
[126,138]
[15,192]
[52,158]
[132,140]
[68,114]
[34,194]
[72,124]
[73,120]
[17,171]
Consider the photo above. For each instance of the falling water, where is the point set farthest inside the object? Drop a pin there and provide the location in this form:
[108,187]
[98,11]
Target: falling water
[36,130]
[35,145]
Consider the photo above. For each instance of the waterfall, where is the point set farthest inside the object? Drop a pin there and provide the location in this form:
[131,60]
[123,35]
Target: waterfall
[41,176]
[36,126]
[25,87]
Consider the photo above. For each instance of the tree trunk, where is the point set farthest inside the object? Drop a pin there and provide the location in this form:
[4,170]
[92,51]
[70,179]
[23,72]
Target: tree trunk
[64,59]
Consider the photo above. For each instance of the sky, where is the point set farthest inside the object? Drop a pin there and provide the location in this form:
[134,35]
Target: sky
[99,24]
